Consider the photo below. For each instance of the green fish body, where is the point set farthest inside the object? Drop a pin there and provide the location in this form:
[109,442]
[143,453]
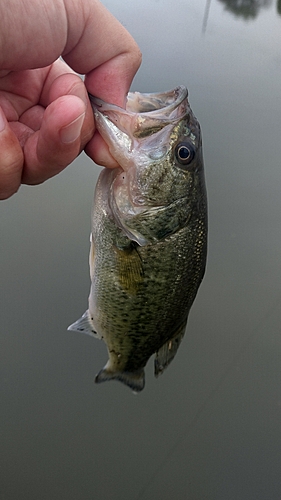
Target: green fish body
[149,233]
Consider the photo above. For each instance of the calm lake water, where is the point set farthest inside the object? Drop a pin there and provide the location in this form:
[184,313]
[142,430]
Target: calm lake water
[210,427]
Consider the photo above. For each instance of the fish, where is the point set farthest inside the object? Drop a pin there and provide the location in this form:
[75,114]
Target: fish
[149,233]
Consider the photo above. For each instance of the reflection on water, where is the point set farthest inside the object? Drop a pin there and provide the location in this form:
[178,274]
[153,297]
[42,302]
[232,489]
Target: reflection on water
[246,8]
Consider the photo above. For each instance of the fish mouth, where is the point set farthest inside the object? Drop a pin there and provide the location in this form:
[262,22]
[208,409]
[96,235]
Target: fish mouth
[145,115]
[164,106]
[152,102]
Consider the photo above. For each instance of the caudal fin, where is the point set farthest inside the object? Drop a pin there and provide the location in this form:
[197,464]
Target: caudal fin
[135,380]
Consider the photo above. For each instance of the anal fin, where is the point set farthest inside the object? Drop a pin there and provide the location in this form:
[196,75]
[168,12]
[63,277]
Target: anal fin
[168,351]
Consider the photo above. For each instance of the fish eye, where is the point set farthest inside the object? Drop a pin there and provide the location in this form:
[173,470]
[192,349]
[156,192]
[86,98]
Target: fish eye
[184,152]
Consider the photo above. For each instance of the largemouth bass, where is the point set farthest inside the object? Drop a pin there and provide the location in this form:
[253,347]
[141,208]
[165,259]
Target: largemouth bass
[149,233]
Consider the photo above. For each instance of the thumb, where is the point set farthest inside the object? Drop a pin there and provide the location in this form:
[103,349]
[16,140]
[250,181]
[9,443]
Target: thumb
[58,142]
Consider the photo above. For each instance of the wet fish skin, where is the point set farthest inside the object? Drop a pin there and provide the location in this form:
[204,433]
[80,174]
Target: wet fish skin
[149,233]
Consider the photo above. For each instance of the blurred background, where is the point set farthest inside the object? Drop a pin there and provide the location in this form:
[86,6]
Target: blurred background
[209,428]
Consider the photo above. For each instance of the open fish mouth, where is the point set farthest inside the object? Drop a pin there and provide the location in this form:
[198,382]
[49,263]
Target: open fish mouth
[148,116]
[163,106]
[167,102]
[142,139]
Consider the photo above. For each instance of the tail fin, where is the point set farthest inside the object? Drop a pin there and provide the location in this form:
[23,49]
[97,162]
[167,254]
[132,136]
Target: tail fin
[135,380]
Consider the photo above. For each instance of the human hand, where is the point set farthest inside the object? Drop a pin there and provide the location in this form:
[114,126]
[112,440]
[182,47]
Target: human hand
[45,114]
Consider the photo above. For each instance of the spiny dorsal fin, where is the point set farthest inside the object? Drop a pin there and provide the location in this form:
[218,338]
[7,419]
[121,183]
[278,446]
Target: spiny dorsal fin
[168,351]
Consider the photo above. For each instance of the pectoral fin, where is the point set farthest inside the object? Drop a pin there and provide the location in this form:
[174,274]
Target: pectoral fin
[168,351]
[129,268]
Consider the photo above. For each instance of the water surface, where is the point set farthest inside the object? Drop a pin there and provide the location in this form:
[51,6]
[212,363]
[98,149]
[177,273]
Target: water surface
[209,428]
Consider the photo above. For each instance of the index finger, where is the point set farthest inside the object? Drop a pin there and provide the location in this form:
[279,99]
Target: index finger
[106,53]
[109,57]
[110,67]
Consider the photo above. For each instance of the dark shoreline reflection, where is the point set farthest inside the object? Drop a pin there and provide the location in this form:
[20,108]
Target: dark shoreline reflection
[248,9]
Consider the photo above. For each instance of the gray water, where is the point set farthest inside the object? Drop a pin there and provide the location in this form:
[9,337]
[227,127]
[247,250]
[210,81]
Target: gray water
[210,427]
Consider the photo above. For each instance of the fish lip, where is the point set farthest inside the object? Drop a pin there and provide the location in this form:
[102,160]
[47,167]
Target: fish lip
[176,96]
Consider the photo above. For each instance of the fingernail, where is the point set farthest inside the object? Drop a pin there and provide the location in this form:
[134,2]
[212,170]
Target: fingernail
[72,131]
[2,120]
